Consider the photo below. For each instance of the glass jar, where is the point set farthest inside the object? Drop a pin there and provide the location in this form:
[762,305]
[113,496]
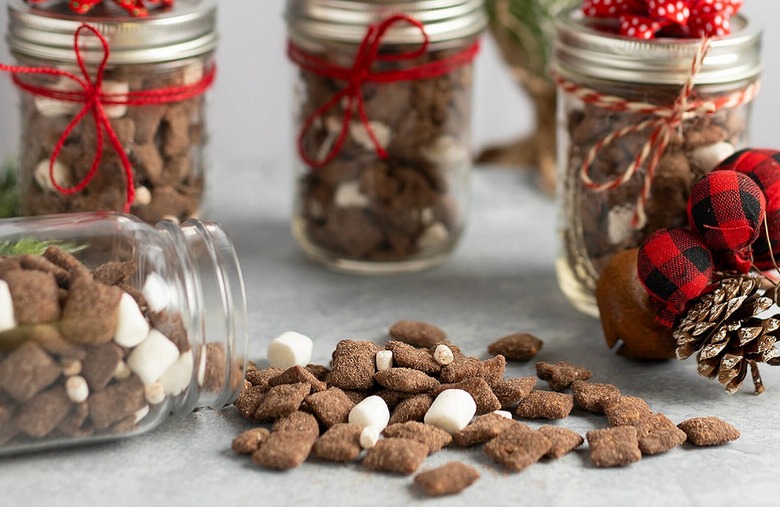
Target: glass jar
[606,207]
[383,129]
[157,71]
[108,324]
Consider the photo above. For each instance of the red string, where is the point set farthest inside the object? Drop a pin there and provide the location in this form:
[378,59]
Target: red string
[93,98]
[361,72]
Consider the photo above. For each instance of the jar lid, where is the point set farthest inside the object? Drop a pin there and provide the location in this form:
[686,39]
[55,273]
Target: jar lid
[584,48]
[185,31]
[346,20]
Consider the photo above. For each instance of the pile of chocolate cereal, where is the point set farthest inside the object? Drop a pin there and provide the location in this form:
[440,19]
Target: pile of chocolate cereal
[330,413]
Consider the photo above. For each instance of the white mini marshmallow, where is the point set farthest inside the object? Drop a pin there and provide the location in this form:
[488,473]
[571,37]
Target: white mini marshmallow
[372,411]
[452,410]
[156,292]
[71,367]
[132,327]
[118,91]
[359,134]
[51,108]
[122,371]
[154,393]
[503,413]
[152,357]
[76,389]
[141,413]
[288,349]
[448,152]
[348,194]
[177,378]
[193,73]
[384,360]
[61,173]
[7,318]
[708,157]
[433,237]
[620,224]
[143,196]
[443,355]
[369,437]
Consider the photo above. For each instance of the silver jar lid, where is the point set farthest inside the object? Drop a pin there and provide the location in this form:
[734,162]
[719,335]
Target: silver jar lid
[581,49]
[186,31]
[346,20]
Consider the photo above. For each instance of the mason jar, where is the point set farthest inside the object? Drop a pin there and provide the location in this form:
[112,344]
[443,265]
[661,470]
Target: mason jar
[138,143]
[383,129]
[641,121]
[109,324]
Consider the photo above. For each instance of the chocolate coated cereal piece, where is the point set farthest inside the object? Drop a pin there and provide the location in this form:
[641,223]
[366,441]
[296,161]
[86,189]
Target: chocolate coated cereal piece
[73,425]
[116,402]
[100,364]
[353,365]
[708,431]
[213,375]
[511,391]
[298,422]
[626,410]
[591,396]
[411,409]
[614,447]
[447,479]
[248,400]
[284,450]
[169,324]
[250,441]
[260,378]
[657,434]
[545,405]
[479,389]
[461,368]
[340,443]
[419,334]
[493,369]
[115,272]
[563,440]
[40,415]
[27,371]
[319,371]
[516,347]
[435,438]
[34,295]
[517,447]
[561,375]
[65,260]
[392,398]
[407,356]
[281,400]
[40,263]
[90,313]
[331,406]
[406,380]
[295,375]
[50,339]
[483,428]
[396,455]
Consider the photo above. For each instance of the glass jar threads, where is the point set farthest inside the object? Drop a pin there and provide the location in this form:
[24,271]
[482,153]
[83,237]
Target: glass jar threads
[113,113]
[641,122]
[383,113]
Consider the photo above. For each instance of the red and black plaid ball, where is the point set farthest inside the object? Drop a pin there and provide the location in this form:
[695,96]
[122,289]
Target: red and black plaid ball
[763,167]
[675,267]
[726,208]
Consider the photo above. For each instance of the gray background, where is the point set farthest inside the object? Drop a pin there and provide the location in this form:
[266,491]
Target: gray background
[250,107]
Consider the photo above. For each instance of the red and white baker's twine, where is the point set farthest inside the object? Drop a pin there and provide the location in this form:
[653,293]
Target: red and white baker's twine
[662,124]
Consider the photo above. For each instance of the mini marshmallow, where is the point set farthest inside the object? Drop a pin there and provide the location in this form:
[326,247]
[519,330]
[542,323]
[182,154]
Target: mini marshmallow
[433,236]
[154,393]
[152,357]
[141,413]
[122,371]
[369,437]
[71,367]
[708,157]
[443,355]
[384,360]
[76,389]
[177,378]
[131,327]
[193,73]
[452,410]
[51,108]
[448,152]
[348,194]
[503,413]
[288,349]
[7,318]
[118,91]
[61,173]
[143,196]
[156,292]
[372,411]
[359,134]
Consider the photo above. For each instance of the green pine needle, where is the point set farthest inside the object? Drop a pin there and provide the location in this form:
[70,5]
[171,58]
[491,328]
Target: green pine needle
[32,246]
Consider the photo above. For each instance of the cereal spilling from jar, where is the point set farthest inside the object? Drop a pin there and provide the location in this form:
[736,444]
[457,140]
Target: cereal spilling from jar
[389,407]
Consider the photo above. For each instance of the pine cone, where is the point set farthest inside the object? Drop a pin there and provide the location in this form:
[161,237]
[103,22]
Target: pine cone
[725,330]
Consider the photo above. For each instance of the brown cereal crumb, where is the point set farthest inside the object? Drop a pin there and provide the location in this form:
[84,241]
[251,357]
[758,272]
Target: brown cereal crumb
[479,389]
[407,356]
[340,443]
[545,405]
[708,431]
[40,415]
[250,441]
[406,380]
[116,402]
[34,295]
[27,371]
[435,438]
[281,400]
[295,375]
[284,450]
[482,429]
[447,479]
[419,334]
[511,391]
[517,447]
[625,410]
[396,455]
[297,422]
[248,400]
[591,396]
[614,447]
[563,440]
[100,365]
[561,375]
[353,365]
[516,347]
[331,406]
[657,434]
[411,409]
[260,378]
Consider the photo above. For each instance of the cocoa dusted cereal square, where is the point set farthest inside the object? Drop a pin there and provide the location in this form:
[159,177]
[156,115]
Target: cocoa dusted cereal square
[331,406]
[561,375]
[625,410]
[435,438]
[284,450]
[545,405]
[396,455]
[513,390]
[281,400]
[516,347]
[563,440]
[406,380]
[250,441]
[517,447]
[482,429]
[418,334]
[447,479]
[708,431]
[353,366]
[408,356]
[614,447]
[657,434]
[479,389]
[592,397]
[340,443]
[411,409]
[297,374]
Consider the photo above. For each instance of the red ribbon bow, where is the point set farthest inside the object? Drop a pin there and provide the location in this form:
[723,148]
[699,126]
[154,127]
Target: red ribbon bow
[361,72]
[646,19]
[134,7]
[93,98]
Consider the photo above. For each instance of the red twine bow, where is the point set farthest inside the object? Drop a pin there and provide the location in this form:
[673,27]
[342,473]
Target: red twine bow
[134,7]
[93,98]
[645,19]
[361,72]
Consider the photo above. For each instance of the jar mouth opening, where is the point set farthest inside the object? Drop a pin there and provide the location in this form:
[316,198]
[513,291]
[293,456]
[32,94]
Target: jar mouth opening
[584,47]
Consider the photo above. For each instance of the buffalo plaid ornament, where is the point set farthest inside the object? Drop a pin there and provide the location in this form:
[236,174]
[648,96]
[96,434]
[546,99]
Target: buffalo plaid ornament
[675,267]
[727,209]
[763,167]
